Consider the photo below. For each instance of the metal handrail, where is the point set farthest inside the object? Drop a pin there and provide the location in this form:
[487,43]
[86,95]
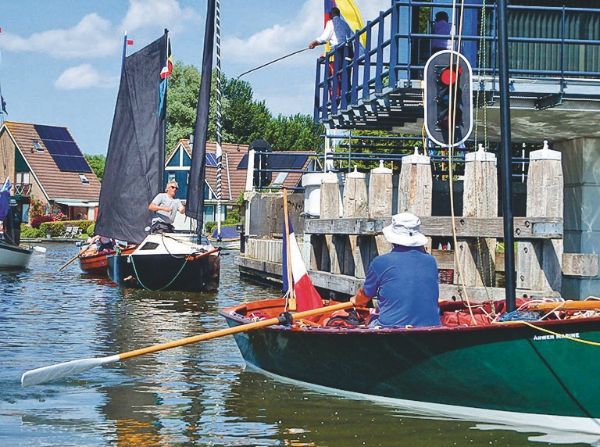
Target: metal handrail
[378,67]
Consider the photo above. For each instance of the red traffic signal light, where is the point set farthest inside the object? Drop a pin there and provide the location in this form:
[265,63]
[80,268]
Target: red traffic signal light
[449,76]
[448,100]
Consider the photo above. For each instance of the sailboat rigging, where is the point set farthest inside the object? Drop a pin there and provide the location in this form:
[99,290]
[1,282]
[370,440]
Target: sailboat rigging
[176,261]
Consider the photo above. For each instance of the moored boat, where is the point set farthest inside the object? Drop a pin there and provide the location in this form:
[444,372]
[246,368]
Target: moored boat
[169,261]
[14,256]
[528,373]
[95,263]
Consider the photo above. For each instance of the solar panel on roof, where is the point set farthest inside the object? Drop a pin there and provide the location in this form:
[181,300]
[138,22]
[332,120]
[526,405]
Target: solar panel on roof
[68,163]
[243,164]
[279,161]
[53,133]
[211,159]
[64,151]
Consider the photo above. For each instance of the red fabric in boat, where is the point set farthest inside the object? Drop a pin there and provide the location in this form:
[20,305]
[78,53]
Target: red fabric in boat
[463,318]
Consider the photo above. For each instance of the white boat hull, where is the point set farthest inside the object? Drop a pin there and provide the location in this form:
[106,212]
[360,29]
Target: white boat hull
[12,257]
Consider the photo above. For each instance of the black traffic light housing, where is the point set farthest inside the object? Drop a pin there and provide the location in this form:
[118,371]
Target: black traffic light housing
[446,86]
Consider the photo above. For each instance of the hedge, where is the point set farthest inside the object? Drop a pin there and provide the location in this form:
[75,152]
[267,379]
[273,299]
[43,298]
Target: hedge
[57,229]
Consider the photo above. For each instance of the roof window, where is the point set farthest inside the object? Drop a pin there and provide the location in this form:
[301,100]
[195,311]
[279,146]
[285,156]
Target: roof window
[83,178]
[37,146]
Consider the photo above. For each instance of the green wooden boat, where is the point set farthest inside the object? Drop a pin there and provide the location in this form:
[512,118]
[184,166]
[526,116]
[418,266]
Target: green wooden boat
[536,374]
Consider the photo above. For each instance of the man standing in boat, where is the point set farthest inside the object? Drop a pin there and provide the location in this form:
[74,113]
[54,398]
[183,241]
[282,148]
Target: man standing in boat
[165,207]
[404,281]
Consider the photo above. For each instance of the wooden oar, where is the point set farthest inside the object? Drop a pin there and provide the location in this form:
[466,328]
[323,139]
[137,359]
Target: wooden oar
[565,305]
[60,370]
[81,250]
[68,262]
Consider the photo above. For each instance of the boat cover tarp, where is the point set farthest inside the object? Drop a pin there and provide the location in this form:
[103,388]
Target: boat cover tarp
[195,198]
[135,161]
[226,233]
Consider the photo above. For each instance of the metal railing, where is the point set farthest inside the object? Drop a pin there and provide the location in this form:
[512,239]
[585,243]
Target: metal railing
[544,42]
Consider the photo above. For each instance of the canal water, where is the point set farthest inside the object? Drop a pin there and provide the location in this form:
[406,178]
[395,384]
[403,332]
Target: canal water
[200,395]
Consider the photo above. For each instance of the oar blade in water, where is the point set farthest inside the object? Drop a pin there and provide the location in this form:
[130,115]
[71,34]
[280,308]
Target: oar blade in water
[61,370]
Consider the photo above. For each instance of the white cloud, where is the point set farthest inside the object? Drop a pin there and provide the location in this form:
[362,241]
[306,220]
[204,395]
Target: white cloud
[156,13]
[284,38]
[91,37]
[82,77]
[95,36]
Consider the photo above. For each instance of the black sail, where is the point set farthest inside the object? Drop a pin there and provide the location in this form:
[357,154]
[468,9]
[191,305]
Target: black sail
[133,174]
[195,197]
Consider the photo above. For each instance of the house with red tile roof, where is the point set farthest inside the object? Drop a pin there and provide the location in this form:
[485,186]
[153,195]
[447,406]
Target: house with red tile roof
[234,173]
[45,163]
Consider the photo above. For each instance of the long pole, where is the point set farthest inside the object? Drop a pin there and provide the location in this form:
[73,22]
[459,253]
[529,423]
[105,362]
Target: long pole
[291,298]
[219,151]
[124,54]
[506,155]
[66,369]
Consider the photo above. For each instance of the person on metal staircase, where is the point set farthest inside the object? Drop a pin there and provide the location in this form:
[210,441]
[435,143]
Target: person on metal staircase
[336,32]
[404,281]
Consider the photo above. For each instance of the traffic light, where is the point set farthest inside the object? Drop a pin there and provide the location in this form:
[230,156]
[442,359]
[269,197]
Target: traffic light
[448,98]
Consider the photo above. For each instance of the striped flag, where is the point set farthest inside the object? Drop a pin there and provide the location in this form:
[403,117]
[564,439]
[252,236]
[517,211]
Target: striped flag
[307,296]
[165,74]
[168,68]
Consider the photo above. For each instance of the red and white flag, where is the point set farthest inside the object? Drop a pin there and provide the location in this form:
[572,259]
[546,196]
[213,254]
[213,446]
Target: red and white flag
[307,297]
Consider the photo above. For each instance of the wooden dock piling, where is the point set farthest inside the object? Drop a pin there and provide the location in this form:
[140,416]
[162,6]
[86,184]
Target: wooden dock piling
[480,199]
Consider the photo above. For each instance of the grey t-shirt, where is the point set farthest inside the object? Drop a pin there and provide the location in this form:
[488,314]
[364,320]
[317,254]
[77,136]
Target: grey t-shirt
[163,199]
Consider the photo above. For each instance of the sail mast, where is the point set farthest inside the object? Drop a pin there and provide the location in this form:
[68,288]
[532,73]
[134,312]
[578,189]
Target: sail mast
[506,156]
[219,151]
[195,197]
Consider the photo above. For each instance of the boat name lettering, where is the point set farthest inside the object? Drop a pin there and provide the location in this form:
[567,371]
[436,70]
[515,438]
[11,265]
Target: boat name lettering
[555,337]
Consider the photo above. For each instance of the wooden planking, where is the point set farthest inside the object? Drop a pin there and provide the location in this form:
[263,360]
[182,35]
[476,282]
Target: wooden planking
[349,285]
[583,265]
[525,227]
[539,264]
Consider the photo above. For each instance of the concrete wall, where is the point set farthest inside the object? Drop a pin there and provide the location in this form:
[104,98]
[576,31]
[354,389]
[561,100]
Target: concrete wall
[581,170]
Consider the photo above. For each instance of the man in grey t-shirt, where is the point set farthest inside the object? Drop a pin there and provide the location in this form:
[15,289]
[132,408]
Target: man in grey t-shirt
[165,205]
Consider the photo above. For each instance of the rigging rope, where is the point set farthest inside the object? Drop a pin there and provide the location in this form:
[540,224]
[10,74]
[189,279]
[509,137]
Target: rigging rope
[219,151]
[451,128]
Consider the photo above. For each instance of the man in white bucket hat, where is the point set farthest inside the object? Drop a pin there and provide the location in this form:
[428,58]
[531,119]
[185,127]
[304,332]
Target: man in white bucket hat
[405,280]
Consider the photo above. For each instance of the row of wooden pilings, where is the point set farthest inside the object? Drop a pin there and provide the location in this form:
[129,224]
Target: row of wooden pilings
[539,259]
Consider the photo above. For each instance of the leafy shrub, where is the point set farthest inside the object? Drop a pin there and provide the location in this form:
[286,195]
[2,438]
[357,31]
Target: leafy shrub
[31,233]
[210,226]
[90,229]
[54,229]
[58,228]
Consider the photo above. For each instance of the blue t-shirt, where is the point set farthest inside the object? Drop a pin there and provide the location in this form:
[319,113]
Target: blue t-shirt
[405,281]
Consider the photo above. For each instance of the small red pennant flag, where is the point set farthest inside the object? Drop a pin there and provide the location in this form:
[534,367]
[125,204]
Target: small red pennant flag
[129,41]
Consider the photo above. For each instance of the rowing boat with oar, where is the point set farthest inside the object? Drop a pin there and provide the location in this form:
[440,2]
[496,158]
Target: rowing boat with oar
[95,262]
[538,373]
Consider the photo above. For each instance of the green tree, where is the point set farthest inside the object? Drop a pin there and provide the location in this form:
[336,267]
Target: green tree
[298,132]
[244,118]
[97,163]
[182,100]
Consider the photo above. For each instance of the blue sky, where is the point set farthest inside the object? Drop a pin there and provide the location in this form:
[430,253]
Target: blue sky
[61,58]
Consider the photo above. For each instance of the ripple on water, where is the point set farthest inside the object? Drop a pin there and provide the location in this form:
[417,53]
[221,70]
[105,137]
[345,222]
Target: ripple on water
[198,395]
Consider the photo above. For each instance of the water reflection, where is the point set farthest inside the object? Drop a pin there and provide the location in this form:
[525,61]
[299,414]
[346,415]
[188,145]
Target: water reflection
[197,395]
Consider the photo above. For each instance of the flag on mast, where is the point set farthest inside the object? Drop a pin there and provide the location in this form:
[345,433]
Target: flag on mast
[307,297]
